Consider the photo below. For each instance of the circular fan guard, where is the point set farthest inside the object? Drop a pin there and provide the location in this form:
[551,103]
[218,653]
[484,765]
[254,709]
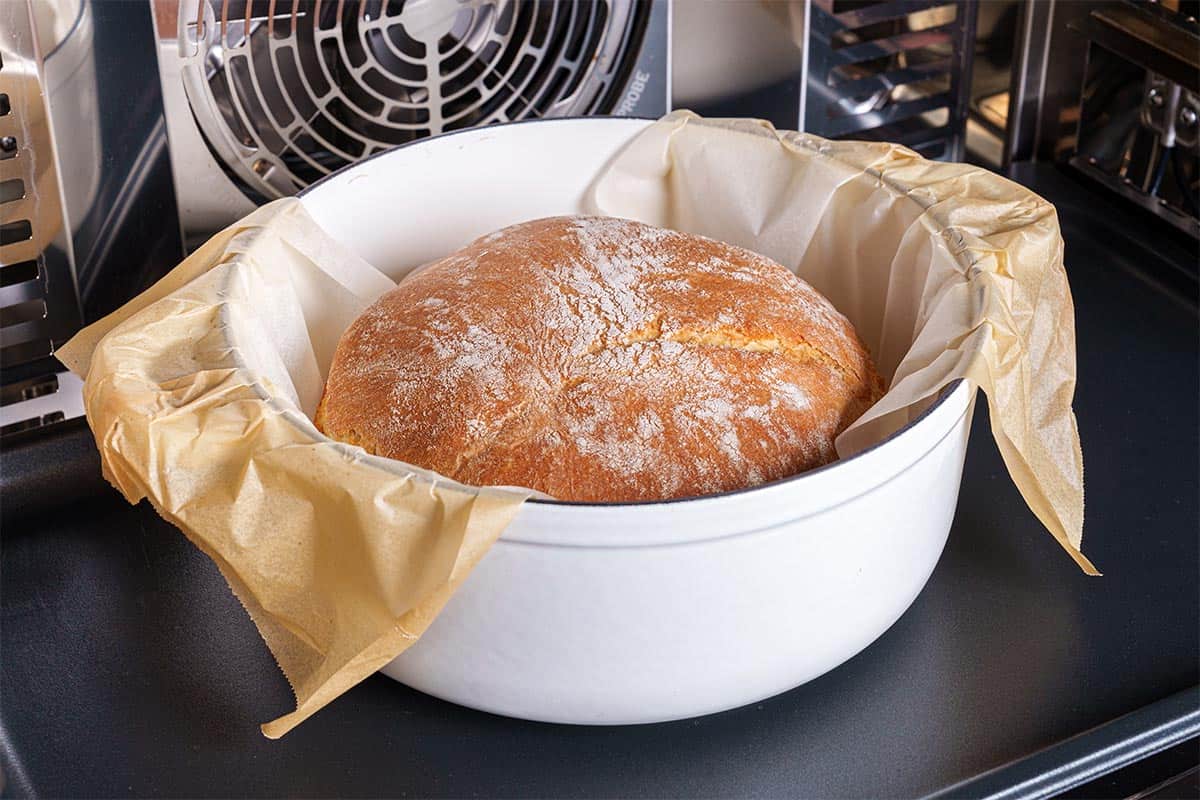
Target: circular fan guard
[286,91]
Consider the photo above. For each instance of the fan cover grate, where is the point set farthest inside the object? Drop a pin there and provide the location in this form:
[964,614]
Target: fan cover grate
[286,91]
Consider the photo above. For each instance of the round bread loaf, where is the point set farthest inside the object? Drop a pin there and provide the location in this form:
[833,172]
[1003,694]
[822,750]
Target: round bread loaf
[603,360]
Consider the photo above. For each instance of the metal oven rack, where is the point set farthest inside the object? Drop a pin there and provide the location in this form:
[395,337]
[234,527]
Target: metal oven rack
[891,71]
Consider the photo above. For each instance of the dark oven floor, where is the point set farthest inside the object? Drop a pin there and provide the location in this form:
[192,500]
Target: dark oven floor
[129,669]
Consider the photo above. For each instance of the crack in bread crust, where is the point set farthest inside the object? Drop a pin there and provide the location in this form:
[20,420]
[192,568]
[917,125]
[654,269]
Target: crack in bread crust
[464,459]
[729,338]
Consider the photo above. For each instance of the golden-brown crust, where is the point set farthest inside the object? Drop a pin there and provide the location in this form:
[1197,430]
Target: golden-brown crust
[597,359]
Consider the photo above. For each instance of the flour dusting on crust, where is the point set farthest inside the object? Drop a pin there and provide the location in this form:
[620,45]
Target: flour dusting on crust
[594,358]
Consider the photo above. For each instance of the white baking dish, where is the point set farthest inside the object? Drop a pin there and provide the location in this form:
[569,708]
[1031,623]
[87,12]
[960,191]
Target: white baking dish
[611,614]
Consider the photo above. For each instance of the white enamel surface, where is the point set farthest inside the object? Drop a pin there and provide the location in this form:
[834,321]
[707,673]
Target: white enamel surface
[418,203]
[642,613]
[615,635]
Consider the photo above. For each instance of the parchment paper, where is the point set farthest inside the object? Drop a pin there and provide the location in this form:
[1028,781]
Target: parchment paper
[343,559]
[947,271]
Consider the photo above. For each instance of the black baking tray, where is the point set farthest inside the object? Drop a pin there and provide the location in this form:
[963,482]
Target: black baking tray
[128,668]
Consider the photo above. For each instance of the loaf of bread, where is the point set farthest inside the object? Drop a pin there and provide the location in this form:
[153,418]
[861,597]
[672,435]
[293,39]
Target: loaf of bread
[602,360]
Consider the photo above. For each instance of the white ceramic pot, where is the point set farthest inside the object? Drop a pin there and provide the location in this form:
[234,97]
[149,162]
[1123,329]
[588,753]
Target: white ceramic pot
[630,613]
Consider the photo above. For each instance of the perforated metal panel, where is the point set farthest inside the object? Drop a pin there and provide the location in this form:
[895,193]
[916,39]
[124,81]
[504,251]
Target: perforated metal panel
[39,307]
[87,211]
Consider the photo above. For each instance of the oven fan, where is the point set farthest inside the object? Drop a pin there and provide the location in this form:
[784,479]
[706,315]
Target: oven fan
[287,91]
